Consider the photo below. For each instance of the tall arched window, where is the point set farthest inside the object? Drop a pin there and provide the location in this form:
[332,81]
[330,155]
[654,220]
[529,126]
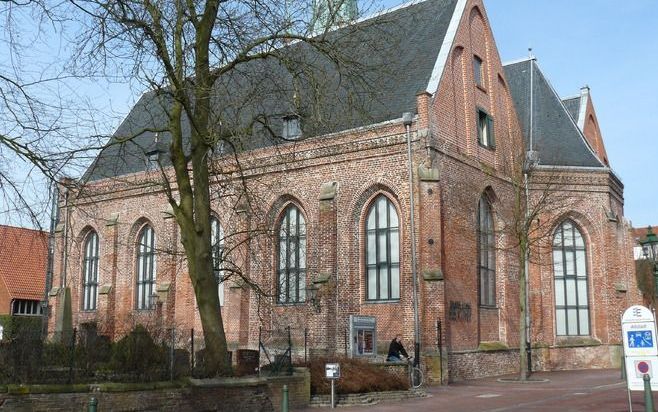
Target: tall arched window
[146,267]
[570,270]
[90,272]
[292,257]
[217,246]
[382,251]
[486,253]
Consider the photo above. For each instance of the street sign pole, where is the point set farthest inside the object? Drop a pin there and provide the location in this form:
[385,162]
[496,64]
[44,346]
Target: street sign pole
[333,394]
[332,371]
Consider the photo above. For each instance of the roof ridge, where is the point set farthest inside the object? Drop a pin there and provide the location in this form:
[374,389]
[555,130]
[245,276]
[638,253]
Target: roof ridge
[519,60]
[22,228]
[388,10]
[359,20]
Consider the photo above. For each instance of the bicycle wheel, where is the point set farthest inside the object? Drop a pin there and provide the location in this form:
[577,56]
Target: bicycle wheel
[416,378]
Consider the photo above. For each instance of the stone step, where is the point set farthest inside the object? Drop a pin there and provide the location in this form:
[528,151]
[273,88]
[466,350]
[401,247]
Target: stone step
[369,398]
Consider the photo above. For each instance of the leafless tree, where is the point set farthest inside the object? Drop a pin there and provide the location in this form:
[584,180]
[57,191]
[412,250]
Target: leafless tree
[41,113]
[220,77]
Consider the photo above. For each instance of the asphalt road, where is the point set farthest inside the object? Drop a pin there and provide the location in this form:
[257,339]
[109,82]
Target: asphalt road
[563,391]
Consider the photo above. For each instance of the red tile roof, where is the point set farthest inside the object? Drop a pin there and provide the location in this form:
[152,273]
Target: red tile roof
[640,233]
[23,262]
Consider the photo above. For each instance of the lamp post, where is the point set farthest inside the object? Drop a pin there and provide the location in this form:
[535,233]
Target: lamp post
[650,251]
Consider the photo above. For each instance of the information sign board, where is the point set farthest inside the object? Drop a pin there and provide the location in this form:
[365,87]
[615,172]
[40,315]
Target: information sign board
[363,335]
[332,370]
[640,350]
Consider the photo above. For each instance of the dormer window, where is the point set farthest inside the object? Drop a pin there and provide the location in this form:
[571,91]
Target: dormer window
[477,71]
[152,160]
[291,127]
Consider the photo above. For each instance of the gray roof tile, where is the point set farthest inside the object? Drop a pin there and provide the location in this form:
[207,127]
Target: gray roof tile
[385,61]
[555,134]
[572,105]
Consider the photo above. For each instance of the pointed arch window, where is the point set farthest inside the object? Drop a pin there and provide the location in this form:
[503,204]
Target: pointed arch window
[382,251]
[570,272]
[291,273]
[146,268]
[217,247]
[90,272]
[486,253]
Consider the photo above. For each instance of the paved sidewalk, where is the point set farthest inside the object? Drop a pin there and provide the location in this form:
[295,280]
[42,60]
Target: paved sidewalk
[583,390]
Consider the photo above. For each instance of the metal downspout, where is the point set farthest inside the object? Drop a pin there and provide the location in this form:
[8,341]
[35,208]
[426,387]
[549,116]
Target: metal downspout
[407,119]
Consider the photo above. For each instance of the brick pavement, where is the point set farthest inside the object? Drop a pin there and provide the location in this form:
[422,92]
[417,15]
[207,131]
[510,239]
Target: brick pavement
[565,391]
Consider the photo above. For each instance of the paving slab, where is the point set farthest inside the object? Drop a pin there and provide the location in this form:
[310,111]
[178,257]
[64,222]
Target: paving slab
[563,391]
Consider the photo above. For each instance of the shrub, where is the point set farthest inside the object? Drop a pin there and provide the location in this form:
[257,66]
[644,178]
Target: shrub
[356,376]
[138,355]
[21,349]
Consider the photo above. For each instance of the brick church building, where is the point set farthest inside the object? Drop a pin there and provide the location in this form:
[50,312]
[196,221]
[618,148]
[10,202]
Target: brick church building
[316,232]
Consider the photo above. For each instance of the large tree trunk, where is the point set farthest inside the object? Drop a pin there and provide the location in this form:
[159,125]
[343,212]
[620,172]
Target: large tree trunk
[199,261]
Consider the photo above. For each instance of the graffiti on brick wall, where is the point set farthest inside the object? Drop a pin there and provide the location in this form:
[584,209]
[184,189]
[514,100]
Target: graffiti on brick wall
[460,311]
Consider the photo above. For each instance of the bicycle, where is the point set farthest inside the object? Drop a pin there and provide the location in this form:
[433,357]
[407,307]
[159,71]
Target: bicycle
[415,375]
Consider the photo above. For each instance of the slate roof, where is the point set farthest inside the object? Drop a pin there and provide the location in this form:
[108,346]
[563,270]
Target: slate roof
[390,59]
[572,105]
[556,136]
[23,262]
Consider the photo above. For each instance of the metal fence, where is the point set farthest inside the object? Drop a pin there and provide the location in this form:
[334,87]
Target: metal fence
[82,356]
[143,355]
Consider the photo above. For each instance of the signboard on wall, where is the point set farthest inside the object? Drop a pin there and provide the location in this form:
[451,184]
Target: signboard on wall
[638,329]
[363,335]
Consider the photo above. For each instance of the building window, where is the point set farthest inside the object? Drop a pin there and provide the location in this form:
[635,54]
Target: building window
[570,270]
[217,246]
[146,268]
[90,272]
[152,159]
[486,254]
[485,130]
[291,127]
[382,251]
[25,307]
[477,71]
[292,257]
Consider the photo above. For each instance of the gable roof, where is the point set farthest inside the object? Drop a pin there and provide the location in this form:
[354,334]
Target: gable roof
[555,134]
[23,262]
[389,59]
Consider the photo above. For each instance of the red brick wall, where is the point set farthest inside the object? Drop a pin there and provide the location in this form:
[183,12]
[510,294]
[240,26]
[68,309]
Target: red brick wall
[592,131]
[611,281]
[5,301]
[366,163]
